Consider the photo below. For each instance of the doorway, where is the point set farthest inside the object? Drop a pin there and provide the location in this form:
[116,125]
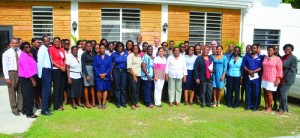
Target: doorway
[5,36]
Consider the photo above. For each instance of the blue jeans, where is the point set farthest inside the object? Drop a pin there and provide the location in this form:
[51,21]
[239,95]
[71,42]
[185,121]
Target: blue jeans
[252,93]
[147,88]
[46,88]
[120,80]
[233,88]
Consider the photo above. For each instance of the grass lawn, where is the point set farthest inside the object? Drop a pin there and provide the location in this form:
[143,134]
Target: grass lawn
[182,121]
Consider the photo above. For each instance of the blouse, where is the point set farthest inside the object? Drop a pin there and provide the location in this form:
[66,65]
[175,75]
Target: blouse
[75,66]
[176,68]
[119,60]
[160,66]
[102,65]
[149,67]
[190,60]
[58,56]
[134,63]
[87,60]
[234,68]
[272,69]
[27,66]
[207,72]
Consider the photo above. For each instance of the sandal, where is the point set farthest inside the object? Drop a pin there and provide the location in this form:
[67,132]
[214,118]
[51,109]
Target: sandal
[185,103]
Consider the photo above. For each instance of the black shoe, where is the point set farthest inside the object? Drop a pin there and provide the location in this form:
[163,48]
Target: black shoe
[118,106]
[275,107]
[17,114]
[50,110]
[125,106]
[46,113]
[247,109]
[211,106]
[32,116]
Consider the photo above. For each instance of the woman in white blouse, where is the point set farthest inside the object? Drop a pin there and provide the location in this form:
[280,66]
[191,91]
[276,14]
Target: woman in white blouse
[74,70]
[176,72]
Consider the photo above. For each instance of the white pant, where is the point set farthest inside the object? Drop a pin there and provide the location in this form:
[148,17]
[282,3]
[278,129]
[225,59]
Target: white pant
[158,86]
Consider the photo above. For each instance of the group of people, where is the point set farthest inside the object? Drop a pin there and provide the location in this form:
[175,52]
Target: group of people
[94,72]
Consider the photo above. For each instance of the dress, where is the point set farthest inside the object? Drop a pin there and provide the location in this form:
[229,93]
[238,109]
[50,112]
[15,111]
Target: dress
[272,69]
[102,66]
[220,66]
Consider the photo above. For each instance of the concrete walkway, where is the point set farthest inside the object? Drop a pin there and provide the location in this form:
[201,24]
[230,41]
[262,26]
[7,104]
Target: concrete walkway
[10,123]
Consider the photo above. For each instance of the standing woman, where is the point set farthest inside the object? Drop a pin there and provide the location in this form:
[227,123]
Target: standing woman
[58,57]
[144,50]
[164,45]
[289,63]
[96,49]
[272,73]
[189,86]
[102,68]
[134,62]
[148,76]
[87,60]
[234,74]
[110,49]
[214,50]
[203,77]
[220,67]
[74,71]
[104,42]
[27,74]
[198,50]
[119,60]
[159,75]
[176,72]
[129,45]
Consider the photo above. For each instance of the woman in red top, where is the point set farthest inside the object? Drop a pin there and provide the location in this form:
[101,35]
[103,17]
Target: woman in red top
[58,58]
[272,73]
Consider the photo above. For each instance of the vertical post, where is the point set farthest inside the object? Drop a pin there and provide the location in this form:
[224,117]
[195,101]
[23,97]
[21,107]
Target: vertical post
[164,19]
[74,17]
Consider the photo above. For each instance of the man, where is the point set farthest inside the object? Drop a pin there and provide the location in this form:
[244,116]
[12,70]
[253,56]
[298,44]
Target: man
[10,70]
[139,41]
[156,46]
[182,49]
[230,50]
[186,45]
[248,50]
[45,68]
[82,49]
[213,44]
[252,66]
[66,45]
[171,46]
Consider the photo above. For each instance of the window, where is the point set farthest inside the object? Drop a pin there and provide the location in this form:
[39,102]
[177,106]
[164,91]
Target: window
[42,21]
[266,37]
[205,27]
[120,24]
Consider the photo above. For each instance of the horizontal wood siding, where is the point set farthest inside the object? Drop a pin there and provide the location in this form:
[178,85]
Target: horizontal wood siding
[179,22]
[90,20]
[19,15]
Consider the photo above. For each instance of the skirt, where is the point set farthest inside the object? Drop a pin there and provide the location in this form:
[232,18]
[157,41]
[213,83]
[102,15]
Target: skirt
[90,71]
[76,88]
[190,81]
[268,86]
[103,85]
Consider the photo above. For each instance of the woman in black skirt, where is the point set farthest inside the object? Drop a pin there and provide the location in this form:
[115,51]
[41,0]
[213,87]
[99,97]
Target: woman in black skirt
[74,70]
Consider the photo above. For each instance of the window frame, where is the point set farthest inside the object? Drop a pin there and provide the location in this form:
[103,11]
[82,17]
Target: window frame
[42,28]
[266,35]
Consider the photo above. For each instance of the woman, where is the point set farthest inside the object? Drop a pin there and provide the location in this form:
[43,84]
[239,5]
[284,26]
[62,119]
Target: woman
[27,74]
[176,72]
[289,63]
[189,86]
[87,60]
[164,45]
[102,68]
[103,41]
[58,57]
[198,50]
[119,60]
[110,49]
[147,76]
[159,75]
[214,50]
[129,45]
[34,50]
[220,67]
[203,77]
[74,71]
[134,62]
[234,74]
[96,49]
[272,73]
[94,43]
[144,50]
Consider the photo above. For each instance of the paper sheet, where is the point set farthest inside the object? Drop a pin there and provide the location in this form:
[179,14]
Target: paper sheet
[254,77]
[211,66]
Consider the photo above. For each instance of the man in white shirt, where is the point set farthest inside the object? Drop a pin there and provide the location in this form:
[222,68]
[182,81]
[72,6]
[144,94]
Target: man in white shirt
[213,44]
[156,46]
[139,39]
[10,70]
[45,68]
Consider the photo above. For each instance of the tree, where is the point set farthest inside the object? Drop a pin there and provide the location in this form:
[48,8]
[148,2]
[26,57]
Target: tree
[295,3]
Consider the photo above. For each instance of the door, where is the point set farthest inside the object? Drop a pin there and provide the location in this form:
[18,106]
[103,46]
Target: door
[5,36]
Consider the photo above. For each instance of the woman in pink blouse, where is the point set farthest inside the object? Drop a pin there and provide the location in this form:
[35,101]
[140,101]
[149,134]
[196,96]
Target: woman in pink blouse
[272,73]
[27,73]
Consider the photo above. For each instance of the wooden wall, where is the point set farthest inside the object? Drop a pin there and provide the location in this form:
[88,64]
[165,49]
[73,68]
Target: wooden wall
[19,15]
[179,23]
[90,20]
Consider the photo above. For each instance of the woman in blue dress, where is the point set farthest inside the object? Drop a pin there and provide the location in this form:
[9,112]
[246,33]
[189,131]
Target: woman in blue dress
[220,67]
[102,68]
